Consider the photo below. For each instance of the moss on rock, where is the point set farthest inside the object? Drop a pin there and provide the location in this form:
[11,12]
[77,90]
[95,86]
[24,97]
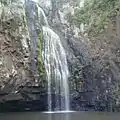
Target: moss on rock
[41,68]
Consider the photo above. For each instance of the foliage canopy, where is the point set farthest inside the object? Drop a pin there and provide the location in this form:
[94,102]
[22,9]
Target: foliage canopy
[95,14]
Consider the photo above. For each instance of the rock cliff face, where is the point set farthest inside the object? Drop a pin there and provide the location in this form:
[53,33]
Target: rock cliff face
[20,47]
[94,63]
[20,28]
[20,32]
[94,70]
[14,47]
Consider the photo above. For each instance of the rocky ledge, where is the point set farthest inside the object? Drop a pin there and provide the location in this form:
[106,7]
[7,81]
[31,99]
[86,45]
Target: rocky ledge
[34,98]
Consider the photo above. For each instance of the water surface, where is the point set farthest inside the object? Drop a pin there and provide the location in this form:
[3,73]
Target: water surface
[60,116]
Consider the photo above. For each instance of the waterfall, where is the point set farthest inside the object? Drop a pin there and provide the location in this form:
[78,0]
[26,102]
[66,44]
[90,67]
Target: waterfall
[56,69]
[54,57]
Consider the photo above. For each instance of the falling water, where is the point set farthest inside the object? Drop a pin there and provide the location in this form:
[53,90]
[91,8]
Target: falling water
[56,69]
[42,17]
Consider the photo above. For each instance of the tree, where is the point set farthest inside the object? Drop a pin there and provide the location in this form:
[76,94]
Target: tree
[96,14]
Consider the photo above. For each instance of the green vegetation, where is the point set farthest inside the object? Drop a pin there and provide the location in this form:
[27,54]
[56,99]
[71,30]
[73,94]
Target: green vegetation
[40,59]
[95,14]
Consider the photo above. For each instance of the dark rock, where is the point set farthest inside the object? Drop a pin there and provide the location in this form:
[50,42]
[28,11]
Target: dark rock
[12,97]
[20,106]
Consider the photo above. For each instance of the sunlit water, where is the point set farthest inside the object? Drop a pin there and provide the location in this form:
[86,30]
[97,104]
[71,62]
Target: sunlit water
[60,116]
